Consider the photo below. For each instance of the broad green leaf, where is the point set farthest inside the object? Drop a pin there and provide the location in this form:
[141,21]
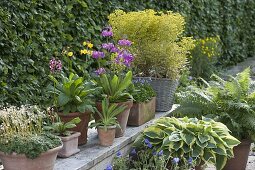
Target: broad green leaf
[189,139]
[231,141]
[154,132]
[196,150]
[220,162]
[63,99]
[203,138]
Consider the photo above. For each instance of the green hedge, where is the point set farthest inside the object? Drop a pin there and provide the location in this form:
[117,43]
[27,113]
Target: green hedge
[31,32]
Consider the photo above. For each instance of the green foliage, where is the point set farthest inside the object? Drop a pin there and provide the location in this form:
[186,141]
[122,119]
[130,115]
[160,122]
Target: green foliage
[108,115]
[145,158]
[115,87]
[73,94]
[33,31]
[141,91]
[62,129]
[199,140]
[22,132]
[159,45]
[231,102]
[204,57]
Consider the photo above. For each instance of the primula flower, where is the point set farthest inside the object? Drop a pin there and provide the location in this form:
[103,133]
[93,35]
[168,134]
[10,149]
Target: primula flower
[109,167]
[90,45]
[84,43]
[100,71]
[55,65]
[114,50]
[107,32]
[126,57]
[124,42]
[84,51]
[133,152]
[176,160]
[108,46]
[98,54]
[70,54]
[118,154]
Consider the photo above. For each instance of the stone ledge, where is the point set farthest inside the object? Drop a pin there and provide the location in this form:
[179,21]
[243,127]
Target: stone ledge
[95,157]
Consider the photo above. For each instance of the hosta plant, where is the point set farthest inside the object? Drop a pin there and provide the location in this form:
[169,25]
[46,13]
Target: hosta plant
[231,102]
[115,87]
[72,94]
[203,141]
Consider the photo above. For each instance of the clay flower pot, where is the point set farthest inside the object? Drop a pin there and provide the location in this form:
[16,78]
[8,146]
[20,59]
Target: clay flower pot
[70,145]
[241,154]
[122,118]
[106,136]
[81,127]
[44,161]
[141,113]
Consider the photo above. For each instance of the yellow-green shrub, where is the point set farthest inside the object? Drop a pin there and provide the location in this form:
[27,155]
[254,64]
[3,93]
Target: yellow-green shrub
[159,47]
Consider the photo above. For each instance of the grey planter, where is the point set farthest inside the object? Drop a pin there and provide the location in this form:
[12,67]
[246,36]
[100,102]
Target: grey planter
[165,89]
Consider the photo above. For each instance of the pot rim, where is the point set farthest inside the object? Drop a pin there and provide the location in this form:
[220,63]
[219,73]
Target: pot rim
[107,127]
[74,134]
[48,152]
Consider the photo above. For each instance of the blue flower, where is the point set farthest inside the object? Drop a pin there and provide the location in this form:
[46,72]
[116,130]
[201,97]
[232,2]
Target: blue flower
[176,160]
[133,152]
[118,154]
[190,160]
[160,153]
[147,142]
[154,153]
[109,167]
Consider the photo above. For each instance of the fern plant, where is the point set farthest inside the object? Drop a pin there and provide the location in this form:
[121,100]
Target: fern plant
[230,101]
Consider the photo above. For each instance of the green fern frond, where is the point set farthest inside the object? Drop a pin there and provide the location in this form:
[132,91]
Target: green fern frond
[244,79]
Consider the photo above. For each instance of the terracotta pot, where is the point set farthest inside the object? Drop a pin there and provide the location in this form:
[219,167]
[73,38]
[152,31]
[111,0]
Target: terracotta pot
[106,137]
[81,127]
[241,154]
[122,118]
[44,161]
[70,145]
[141,113]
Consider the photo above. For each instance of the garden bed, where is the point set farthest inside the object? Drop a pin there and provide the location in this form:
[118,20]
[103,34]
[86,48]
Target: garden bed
[93,156]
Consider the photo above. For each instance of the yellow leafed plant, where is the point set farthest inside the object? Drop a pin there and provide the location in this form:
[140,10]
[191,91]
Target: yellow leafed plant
[159,47]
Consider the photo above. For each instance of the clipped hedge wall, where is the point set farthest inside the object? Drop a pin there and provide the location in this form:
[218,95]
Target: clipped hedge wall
[31,32]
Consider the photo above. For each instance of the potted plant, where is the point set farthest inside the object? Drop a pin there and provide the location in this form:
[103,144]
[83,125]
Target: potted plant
[73,98]
[106,125]
[187,141]
[231,102]
[115,89]
[68,138]
[158,45]
[23,143]
[144,105]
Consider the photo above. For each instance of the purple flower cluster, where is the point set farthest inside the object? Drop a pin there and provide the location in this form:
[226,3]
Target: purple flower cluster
[100,71]
[55,65]
[109,167]
[110,47]
[98,54]
[125,57]
[124,42]
[107,32]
